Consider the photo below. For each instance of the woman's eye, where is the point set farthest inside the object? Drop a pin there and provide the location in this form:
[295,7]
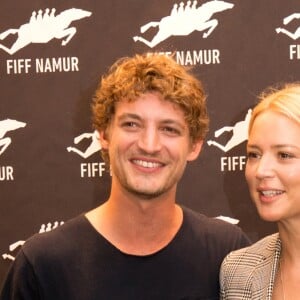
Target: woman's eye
[252,155]
[284,155]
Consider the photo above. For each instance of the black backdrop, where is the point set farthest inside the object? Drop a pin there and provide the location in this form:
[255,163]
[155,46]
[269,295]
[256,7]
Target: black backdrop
[46,91]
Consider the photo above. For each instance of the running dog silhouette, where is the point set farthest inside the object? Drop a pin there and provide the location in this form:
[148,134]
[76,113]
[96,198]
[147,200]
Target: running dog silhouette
[294,35]
[42,28]
[13,247]
[91,149]
[20,243]
[239,134]
[185,20]
[5,126]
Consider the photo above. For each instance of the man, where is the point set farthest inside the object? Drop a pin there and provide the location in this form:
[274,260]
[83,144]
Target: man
[151,117]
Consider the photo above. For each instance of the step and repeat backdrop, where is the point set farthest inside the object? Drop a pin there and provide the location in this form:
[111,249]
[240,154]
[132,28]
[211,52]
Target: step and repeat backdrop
[52,54]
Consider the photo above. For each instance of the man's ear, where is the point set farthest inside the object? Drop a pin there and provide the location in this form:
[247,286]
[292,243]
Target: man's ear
[103,134]
[195,150]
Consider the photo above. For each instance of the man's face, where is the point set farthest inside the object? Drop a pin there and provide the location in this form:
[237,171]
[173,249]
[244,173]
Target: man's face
[149,144]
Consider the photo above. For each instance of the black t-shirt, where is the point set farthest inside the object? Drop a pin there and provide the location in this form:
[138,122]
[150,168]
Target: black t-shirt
[74,262]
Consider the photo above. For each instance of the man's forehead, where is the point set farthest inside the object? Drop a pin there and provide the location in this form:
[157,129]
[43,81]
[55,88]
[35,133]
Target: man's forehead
[149,97]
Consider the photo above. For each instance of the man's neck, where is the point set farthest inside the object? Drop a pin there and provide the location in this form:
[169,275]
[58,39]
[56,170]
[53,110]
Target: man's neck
[137,227]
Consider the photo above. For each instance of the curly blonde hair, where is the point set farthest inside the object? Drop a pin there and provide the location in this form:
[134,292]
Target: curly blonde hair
[130,77]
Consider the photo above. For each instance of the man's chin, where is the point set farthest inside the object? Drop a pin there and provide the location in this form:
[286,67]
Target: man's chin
[146,194]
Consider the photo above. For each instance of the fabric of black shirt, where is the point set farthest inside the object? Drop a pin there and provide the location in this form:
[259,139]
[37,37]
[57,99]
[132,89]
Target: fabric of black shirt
[74,262]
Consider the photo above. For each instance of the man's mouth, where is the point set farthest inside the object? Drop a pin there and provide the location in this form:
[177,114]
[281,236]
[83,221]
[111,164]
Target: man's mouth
[146,164]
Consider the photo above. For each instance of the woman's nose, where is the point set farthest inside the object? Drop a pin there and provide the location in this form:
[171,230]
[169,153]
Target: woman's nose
[265,167]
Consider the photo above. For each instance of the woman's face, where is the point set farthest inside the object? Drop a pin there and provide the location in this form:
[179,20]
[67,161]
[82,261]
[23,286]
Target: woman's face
[273,166]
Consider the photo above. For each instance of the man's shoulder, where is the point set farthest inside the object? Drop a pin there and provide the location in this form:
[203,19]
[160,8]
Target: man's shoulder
[209,224]
[62,237]
[215,232]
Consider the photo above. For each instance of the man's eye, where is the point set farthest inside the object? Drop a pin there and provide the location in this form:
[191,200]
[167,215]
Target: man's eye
[171,130]
[129,124]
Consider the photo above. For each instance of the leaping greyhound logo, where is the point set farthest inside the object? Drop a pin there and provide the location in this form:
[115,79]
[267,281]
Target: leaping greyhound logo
[43,27]
[185,20]
[239,134]
[294,35]
[91,149]
[20,243]
[5,126]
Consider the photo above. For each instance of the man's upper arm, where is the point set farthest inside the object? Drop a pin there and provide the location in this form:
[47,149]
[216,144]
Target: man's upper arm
[21,282]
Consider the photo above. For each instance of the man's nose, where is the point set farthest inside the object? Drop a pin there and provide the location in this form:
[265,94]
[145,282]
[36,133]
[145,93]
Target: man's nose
[150,140]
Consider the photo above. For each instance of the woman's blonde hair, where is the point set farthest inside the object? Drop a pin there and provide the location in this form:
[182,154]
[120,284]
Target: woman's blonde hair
[283,99]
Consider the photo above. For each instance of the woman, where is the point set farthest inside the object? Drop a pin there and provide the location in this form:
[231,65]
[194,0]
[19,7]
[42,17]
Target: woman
[270,268]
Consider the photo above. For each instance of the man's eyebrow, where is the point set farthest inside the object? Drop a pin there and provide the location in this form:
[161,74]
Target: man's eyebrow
[162,121]
[174,122]
[129,115]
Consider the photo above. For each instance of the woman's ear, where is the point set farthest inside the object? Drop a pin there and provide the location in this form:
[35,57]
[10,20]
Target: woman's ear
[195,150]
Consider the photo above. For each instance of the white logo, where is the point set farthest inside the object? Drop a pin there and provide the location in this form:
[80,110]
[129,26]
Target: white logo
[294,35]
[94,146]
[43,27]
[239,134]
[14,246]
[89,169]
[184,20]
[5,126]
[228,219]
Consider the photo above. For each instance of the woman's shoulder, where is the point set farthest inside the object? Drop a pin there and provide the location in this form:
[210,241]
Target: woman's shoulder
[263,248]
